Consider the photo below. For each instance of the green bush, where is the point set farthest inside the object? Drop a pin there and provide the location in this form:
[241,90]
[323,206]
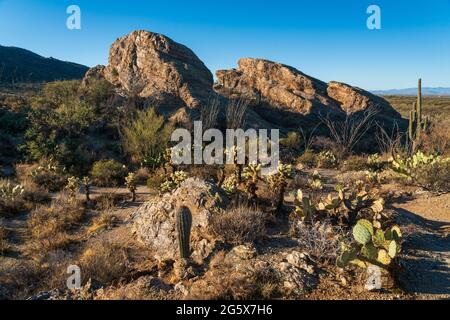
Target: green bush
[108,173]
[146,136]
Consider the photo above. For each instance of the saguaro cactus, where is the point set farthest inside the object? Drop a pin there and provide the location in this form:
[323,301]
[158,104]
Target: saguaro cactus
[184,224]
[416,122]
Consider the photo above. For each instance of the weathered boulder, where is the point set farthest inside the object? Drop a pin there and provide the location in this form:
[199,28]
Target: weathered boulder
[152,65]
[154,222]
[280,85]
[289,89]
[355,99]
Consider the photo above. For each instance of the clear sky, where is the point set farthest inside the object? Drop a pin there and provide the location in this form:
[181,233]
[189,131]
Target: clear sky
[325,39]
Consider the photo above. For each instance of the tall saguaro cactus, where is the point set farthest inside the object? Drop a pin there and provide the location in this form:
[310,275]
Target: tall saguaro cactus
[416,122]
[184,224]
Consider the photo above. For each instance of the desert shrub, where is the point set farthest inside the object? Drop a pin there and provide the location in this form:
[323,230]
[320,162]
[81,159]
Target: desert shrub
[34,194]
[355,163]
[49,175]
[104,221]
[104,261]
[108,201]
[320,239]
[428,171]
[434,177]
[155,180]
[3,238]
[437,139]
[239,225]
[146,136]
[142,175]
[50,225]
[11,197]
[224,281]
[108,173]
[292,141]
[308,158]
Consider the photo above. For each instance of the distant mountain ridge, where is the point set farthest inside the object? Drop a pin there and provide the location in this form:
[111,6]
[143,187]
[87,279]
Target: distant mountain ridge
[19,65]
[438,91]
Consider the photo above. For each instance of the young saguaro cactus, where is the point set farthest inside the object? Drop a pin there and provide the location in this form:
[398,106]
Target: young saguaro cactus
[184,225]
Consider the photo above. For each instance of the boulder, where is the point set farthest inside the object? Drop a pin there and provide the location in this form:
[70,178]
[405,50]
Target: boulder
[278,84]
[289,89]
[154,222]
[151,65]
[354,99]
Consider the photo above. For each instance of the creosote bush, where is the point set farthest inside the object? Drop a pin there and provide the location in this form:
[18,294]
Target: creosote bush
[108,173]
[239,225]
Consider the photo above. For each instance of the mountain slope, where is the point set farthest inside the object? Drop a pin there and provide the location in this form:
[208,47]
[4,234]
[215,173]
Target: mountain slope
[20,65]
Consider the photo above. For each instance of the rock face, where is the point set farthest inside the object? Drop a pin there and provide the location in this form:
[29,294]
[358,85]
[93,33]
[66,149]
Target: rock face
[280,85]
[153,66]
[292,90]
[171,77]
[354,99]
[154,222]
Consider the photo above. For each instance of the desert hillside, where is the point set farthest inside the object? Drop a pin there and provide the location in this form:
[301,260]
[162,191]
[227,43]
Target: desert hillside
[356,208]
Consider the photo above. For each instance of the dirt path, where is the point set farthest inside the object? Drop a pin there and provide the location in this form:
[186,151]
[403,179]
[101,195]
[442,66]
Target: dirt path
[426,220]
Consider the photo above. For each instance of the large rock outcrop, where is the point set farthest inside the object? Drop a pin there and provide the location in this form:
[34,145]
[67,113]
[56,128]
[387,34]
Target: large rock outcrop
[151,65]
[291,90]
[154,222]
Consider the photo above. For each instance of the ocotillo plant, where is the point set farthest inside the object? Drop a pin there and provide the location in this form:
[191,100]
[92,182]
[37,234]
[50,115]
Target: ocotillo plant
[183,222]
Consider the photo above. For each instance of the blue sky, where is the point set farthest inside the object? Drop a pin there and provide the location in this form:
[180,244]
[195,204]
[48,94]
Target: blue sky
[325,39]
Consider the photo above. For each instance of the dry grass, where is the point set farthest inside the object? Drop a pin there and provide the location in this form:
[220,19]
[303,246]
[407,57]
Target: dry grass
[102,222]
[432,106]
[320,239]
[239,225]
[224,281]
[105,261]
[50,225]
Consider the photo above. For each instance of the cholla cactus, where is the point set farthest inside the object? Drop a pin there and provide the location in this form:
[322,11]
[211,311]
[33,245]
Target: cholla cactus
[86,183]
[233,154]
[230,185]
[373,246]
[73,186]
[375,162]
[173,182]
[251,175]
[278,182]
[130,182]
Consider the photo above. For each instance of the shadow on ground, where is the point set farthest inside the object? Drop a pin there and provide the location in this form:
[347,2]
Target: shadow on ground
[426,258]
